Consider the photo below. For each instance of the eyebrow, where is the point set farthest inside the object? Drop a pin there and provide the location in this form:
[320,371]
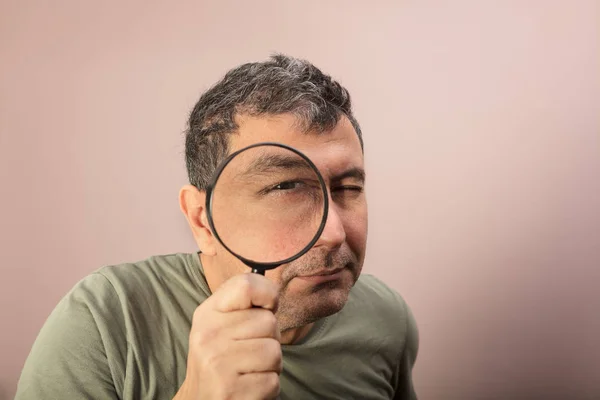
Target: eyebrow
[355,173]
[269,162]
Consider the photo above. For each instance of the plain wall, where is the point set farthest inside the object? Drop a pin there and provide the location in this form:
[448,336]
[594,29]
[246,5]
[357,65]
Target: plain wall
[482,132]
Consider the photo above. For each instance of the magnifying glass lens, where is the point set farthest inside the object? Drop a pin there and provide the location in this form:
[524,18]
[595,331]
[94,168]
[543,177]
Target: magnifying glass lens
[268,204]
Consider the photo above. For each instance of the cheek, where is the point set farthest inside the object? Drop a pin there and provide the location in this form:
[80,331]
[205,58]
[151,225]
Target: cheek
[227,264]
[356,226]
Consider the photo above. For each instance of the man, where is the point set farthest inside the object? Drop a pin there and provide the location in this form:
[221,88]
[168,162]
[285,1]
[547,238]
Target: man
[199,326]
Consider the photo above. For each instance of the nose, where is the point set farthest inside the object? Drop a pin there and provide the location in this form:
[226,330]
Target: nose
[334,233]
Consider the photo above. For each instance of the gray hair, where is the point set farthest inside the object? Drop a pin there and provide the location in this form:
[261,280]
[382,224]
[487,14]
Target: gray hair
[281,85]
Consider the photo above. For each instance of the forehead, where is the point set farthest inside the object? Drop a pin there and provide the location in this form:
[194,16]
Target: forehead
[331,151]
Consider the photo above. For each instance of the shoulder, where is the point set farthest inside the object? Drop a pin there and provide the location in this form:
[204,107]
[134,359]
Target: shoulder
[114,294]
[104,289]
[372,290]
[388,310]
[126,279]
[109,314]
[385,307]
[156,271]
[165,285]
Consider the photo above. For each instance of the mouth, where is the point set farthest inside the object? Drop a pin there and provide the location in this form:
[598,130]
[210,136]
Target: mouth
[323,275]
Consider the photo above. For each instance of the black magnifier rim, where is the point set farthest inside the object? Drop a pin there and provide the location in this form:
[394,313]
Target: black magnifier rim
[210,196]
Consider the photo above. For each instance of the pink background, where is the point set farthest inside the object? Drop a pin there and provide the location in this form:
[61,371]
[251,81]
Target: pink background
[482,131]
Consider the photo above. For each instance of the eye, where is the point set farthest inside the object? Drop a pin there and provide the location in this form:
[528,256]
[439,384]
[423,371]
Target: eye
[289,185]
[347,193]
[350,188]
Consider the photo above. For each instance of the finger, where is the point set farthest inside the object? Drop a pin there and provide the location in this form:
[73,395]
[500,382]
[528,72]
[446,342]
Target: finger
[245,291]
[252,323]
[258,386]
[255,355]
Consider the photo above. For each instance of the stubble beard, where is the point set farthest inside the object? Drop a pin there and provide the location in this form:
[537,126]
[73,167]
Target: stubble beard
[298,309]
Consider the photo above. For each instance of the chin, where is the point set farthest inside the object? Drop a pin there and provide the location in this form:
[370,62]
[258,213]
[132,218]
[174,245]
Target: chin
[305,308]
[326,304]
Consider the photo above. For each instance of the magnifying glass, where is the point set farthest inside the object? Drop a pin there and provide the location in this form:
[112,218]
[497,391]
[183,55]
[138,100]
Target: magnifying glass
[267,205]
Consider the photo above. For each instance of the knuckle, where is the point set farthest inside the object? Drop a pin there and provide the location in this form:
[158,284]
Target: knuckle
[272,382]
[244,285]
[273,349]
[268,319]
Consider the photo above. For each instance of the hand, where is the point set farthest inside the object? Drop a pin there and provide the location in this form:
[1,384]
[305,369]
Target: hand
[234,349]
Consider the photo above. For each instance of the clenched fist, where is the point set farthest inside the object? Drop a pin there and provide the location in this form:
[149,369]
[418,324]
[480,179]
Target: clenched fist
[234,348]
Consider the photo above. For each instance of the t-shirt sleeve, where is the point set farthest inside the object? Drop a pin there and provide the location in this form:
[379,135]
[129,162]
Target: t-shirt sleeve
[405,388]
[69,359]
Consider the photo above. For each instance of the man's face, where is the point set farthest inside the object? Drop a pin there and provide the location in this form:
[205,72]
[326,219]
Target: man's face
[304,297]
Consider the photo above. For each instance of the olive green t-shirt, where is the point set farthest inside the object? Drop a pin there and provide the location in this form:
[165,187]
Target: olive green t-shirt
[122,333]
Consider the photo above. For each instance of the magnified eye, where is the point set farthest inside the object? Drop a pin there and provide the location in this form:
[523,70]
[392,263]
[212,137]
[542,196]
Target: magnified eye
[268,204]
[289,185]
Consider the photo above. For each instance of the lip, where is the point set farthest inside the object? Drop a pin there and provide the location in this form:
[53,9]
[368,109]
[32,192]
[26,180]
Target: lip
[323,276]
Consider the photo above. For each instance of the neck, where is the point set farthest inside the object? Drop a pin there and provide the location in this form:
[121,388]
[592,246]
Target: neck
[213,279]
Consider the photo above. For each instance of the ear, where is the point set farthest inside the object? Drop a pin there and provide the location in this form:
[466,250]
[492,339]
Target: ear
[192,204]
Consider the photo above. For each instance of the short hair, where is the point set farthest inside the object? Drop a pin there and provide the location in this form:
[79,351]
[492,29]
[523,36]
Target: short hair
[280,85]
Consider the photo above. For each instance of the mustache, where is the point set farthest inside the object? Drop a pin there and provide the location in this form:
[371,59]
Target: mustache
[319,259]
